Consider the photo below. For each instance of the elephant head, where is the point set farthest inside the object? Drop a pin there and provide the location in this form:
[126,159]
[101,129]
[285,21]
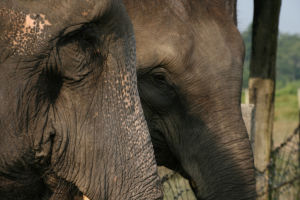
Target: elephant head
[70,112]
[189,58]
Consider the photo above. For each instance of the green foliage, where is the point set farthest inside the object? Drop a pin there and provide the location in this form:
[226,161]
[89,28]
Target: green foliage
[288,58]
[289,89]
[247,36]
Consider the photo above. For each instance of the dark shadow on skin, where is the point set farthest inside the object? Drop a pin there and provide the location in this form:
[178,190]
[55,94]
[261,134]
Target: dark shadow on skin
[60,189]
[33,183]
[163,109]
[23,181]
[175,133]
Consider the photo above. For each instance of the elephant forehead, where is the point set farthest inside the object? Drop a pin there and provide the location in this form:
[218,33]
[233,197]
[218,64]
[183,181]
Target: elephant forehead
[26,27]
[23,32]
[35,23]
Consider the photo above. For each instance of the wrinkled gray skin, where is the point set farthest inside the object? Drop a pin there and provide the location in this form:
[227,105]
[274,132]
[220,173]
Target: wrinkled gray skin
[70,114]
[190,56]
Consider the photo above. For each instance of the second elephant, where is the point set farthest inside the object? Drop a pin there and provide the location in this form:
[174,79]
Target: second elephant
[190,56]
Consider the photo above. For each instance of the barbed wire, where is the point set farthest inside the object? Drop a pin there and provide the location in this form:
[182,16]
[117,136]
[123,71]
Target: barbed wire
[283,168]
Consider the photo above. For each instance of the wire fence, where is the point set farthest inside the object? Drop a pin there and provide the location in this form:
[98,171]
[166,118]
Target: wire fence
[283,179]
[175,187]
[284,170]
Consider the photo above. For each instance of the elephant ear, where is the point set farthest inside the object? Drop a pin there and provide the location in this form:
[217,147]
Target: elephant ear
[230,6]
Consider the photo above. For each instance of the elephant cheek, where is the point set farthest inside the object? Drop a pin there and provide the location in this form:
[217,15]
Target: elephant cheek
[109,155]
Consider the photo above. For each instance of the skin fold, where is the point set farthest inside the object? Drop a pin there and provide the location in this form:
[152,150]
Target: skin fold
[71,119]
[189,60]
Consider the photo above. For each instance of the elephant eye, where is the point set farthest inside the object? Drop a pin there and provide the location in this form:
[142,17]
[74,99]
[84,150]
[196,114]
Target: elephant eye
[160,77]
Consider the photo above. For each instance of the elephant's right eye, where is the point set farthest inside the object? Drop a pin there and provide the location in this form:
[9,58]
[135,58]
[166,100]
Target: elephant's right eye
[160,77]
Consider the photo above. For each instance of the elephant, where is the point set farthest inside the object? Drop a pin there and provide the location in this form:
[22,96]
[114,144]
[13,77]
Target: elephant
[70,116]
[189,64]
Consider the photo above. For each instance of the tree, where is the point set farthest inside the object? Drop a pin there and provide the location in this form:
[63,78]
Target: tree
[262,79]
[288,58]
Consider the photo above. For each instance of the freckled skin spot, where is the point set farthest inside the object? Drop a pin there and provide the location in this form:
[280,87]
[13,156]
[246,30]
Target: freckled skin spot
[26,31]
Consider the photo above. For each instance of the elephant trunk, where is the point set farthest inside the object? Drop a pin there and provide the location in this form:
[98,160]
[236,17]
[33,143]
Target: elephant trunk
[105,148]
[109,155]
[220,155]
[224,155]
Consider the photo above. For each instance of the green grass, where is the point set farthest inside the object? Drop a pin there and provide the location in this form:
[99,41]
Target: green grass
[243,96]
[286,103]
[286,111]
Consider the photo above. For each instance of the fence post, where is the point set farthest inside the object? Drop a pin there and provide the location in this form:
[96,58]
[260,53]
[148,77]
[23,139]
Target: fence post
[248,112]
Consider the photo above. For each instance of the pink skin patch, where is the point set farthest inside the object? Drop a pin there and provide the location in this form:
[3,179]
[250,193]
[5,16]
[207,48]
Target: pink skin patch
[34,25]
[24,32]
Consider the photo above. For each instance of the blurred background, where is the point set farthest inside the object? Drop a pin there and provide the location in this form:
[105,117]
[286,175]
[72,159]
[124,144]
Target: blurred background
[277,160]
[287,63]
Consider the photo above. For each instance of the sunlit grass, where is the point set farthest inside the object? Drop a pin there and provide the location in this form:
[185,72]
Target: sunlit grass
[286,111]
[286,102]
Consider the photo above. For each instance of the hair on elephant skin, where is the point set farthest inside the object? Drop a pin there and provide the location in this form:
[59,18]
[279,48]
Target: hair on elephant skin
[189,61]
[71,119]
